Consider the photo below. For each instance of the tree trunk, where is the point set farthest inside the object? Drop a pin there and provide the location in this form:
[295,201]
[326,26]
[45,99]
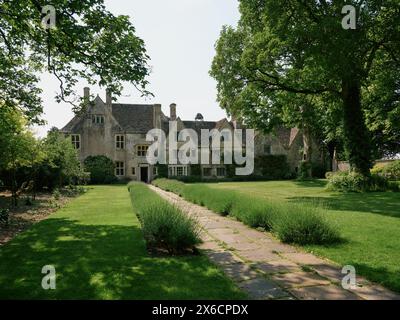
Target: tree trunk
[307,142]
[356,136]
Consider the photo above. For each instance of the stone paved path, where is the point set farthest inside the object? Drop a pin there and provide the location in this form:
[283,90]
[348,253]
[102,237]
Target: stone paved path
[267,269]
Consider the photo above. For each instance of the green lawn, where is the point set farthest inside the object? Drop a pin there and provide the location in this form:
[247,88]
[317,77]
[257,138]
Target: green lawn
[97,248]
[369,222]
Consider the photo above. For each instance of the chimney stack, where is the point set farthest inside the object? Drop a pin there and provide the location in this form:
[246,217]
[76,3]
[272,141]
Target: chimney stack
[86,93]
[172,112]
[157,116]
[108,98]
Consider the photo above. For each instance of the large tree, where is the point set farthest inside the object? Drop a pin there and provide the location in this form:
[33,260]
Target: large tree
[86,42]
[301,48]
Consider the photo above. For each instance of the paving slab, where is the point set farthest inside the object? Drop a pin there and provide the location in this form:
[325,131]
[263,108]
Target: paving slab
[278,266]
[239,271]
[299,279]
[259,255]
[330,292]
[228,243]
[304,258]
[210,245]
[375,292]
[223,258]
[245,246]
[261,288]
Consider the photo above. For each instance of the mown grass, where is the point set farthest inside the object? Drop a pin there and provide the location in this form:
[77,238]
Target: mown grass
[369,223]
[300,224]
[97,247]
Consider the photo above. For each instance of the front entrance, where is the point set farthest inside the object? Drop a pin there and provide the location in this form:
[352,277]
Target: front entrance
[144,174]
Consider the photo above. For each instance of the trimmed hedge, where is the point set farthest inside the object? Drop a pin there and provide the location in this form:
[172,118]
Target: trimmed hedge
[101,169]
[292,223]
[164,225]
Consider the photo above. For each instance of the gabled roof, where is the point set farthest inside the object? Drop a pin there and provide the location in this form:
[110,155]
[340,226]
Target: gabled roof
[75,125]
[286,136]
[134,118]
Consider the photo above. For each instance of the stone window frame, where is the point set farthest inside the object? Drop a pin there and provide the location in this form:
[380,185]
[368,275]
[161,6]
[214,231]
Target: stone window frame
[204,172]
[119,168]
[267,149]
[219,171]
[76,141]
[178,171]
[98,119]
[133,171]
[119,141]
[141,150]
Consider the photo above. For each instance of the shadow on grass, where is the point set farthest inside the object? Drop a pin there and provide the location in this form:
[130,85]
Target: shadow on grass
[383,276]
[102,262]
[384,203]
[313,183]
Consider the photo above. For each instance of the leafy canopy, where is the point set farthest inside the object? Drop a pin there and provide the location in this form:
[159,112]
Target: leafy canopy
[88,42]
[283,51]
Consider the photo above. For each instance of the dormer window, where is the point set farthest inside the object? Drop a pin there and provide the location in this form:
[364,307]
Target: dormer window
[98,119]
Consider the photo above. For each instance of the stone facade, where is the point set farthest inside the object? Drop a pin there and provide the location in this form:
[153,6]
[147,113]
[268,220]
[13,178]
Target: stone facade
[118,131]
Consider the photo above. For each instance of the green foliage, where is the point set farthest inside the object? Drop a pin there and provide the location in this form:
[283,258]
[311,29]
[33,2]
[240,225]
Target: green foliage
[4,216]
[304,170]
[273,167]
[314,74]
[351,181]
[305,224]
[101,169]
[318,171]
[195,170]
[255,212]
[101,232]
[174,186]
[162,171]
[61,166]
[56,194]
[392,170]
[164,226]
[88,43]
[220,202]
[302,224]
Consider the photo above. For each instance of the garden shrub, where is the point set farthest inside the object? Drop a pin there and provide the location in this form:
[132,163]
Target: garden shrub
[392,170]
[304,225]
[318,170]
[171,185]
[162,170]
[290,222]
[304,170]
[220,202]
[273,167]
[256,213]
[4,216]
[101,169]
[164,225]
[351,181]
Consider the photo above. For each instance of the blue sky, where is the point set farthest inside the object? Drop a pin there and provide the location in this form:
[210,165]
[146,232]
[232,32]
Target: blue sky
[180,37]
